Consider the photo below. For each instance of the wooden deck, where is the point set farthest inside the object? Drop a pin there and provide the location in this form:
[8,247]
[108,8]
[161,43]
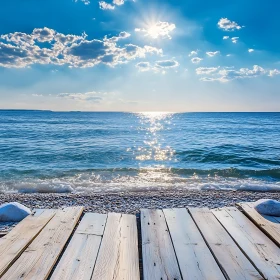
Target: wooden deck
[195,243]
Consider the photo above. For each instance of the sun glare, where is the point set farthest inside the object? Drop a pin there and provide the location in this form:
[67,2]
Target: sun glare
[154,31]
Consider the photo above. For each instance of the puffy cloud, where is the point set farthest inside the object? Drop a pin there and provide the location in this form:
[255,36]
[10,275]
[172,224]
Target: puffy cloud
[234,39]
[227,74]
[196,60]
[43,34]
[251,50]
[166,64]
[106,6]
[21,49]
[274,72]
[206,70]
[159,66]
[211,54]
[118,2]
[193,53]
[158,30]
[228,25]
[86,2]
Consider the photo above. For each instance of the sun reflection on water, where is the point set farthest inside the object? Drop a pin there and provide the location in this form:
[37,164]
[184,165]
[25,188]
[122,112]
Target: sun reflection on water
[153,146]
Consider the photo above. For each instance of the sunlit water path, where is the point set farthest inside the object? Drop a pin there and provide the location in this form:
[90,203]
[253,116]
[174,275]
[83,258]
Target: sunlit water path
[81,152]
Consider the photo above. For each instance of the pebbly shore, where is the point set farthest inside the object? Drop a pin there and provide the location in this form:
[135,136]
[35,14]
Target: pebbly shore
[132,202]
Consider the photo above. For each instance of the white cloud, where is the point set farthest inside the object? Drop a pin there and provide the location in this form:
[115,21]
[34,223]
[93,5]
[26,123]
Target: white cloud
[234,39]
[274,72]
[166,64]
[251,50]
[118,2]
[106,6]
[227,74]
[158,30]
[227,25]
[196,60]
[91,96]
[159,66]
[193,53]
[21,49]
[206,70]
[211,54]
[86,2]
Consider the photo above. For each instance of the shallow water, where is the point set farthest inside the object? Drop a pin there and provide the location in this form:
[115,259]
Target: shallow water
[80,152]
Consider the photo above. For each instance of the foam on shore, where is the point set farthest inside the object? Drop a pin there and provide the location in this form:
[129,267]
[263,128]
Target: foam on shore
[88,182]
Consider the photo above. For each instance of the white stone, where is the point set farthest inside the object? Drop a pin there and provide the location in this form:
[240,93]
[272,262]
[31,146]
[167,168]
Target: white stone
[13,212]
[268,207]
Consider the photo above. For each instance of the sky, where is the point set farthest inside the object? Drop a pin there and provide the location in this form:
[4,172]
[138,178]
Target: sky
[140,55]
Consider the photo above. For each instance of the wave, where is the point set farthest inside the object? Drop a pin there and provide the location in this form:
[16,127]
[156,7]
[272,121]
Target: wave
[133,179]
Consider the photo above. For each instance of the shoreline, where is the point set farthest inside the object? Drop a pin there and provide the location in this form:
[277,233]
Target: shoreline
[132,202]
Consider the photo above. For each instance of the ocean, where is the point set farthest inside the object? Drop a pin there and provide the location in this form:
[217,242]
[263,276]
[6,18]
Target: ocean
[44,151]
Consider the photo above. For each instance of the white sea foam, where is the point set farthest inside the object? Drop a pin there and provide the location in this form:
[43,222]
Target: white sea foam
[153,179]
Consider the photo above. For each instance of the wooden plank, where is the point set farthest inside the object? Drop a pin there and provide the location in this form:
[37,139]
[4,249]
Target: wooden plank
[268,224]
[263,253]
[37,261]
[118,254]
[78,260]
[232,261]
[16,241]
[92,223]
[159,259]
[194,257]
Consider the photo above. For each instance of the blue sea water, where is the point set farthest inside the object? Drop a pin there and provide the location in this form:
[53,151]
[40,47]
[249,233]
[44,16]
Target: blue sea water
[44,151]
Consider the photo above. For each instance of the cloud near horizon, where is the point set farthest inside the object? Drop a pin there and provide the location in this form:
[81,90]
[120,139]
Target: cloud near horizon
[226,74]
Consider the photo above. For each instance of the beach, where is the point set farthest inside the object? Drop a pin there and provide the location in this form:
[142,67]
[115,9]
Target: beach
[132,202]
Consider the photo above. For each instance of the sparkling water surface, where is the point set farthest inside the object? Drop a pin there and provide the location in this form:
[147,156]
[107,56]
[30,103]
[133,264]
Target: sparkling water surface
[42,151]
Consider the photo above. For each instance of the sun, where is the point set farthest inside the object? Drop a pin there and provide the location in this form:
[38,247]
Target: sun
[153,30]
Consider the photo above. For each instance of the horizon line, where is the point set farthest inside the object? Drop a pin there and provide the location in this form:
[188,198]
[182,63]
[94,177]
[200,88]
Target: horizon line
[150,111]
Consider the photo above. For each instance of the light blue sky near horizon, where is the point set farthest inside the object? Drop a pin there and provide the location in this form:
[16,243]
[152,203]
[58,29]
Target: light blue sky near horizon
[124,55]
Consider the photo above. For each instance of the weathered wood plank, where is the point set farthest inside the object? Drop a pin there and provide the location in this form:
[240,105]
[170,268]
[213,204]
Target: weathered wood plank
[78,260]
[118,254]
[37,261]
[231,260]
[159,259]
[263,253]
[16,241]
[269,225]
[194,257]
[92,223]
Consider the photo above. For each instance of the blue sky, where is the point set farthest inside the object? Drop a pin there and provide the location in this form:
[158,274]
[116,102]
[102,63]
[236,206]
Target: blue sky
[124,55]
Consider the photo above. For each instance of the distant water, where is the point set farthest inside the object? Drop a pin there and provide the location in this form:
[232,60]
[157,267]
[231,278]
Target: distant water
[93,152]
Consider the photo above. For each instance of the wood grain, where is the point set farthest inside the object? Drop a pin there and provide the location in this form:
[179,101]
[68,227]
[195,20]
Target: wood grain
[79,258]
[263,253]
[37,261]
[118,254]
[232,261]
[194,257]
[16,241]
[159,259]
[268,224]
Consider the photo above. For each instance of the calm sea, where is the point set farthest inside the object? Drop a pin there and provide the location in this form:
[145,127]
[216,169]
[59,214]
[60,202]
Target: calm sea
[93,152]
